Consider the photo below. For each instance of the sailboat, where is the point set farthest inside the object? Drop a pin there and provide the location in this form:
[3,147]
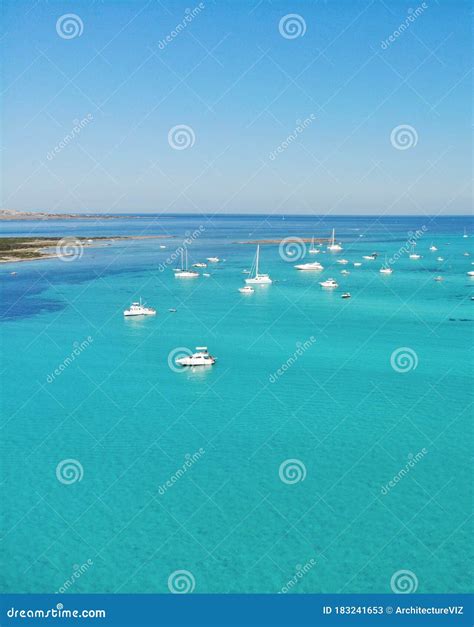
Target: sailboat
[184,272]
[413,254]
[256,278]
[312,250]
[333,245]
[465,234]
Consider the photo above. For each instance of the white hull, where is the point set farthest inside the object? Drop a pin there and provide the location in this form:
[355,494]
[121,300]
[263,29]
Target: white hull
[309,266]
[259,280]
[186,275]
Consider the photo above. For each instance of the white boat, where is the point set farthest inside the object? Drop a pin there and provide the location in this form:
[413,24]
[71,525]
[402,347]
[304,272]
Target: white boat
[346,295]
[247,289]
[357,264]
[438,278]
[413,254]
[465,234]
[200,358]
[439,258]
[312,250]
[345,272]
[333,246]
[139,309]
[470,273]
[433,248]
[206,274]
[371,257]
[385,270]
[184,272]
[309,266]
[162,246]
[213,259]
[343,261]
[200,265]
[329,283]
[256,278]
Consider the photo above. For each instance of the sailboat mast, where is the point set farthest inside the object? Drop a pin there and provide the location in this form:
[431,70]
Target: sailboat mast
[333,237]
[256,260]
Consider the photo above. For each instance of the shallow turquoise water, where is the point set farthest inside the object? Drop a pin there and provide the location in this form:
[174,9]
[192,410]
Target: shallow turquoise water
[339,408]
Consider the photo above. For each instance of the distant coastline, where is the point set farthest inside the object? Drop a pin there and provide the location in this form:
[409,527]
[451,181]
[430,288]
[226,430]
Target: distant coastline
[15,249]
[10,214]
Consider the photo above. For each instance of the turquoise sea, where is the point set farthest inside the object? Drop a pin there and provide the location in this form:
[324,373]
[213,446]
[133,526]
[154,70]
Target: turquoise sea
[358,392]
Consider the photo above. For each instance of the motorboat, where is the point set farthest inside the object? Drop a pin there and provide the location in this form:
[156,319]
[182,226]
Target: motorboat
[346,295]
[200,264]
[342,261]
[247,289]
[309,266]
[213,259]
[138,309]
[329,283]
[200,358]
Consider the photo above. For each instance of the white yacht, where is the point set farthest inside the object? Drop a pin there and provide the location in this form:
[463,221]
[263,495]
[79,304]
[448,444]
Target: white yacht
[312,250]
[357,264]
[247,289]
[213,259]
[465,234]
[200,358]
[433,248]
[414,255]
[139,309]
[343,261]
[345,272]
[255,277]
[386,270]
[470,273]
[184,272]
[329,283]
[333,246]
[315,265]
[439,258]
[371,257]
[200,264]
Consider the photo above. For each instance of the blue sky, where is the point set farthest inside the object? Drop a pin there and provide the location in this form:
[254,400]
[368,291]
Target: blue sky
[276,123]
